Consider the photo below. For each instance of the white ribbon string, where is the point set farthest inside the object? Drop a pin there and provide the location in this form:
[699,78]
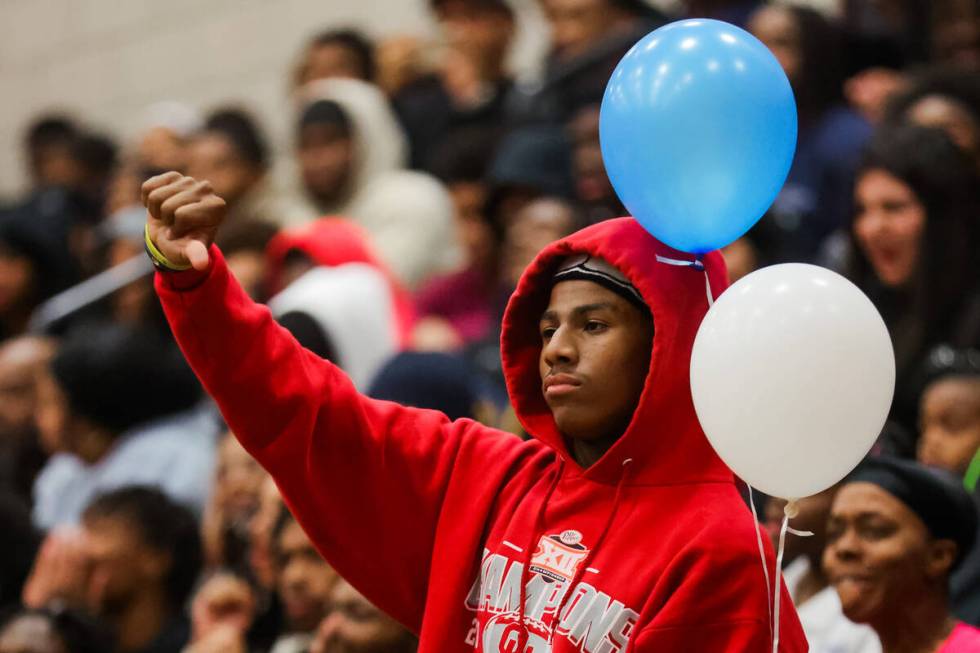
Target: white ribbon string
[696,264]
[762,555]
[774,590]
[777,595]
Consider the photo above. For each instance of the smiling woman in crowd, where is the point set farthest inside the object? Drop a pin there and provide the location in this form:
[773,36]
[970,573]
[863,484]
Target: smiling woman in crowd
[915,247]
[897,530]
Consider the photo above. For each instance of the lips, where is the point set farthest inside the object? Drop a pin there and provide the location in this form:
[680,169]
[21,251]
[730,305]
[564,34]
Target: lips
[852,583]
[557,385]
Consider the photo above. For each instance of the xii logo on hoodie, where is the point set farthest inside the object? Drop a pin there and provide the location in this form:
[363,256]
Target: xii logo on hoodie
[591,620]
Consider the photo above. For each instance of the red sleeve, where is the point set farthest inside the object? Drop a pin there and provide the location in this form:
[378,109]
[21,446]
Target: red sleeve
[365,478]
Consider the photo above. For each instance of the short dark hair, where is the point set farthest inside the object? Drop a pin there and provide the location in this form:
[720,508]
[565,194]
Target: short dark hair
[351,39]
[163,526]
[120,376]
[243,132]
[326,112]
[465,156]
[96,153]
[53,129]
[309,334]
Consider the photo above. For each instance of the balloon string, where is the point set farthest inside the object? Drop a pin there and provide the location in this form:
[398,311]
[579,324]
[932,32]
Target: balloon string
[777,595]
[697,264]
[791,510]
[707,288]
[762,555]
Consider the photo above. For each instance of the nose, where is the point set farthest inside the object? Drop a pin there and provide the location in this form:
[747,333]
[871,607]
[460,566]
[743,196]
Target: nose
[873,221]
[847,547]
[560,349]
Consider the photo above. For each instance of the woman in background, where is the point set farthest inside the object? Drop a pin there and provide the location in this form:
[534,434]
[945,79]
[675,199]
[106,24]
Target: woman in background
[915,249]
[897,531]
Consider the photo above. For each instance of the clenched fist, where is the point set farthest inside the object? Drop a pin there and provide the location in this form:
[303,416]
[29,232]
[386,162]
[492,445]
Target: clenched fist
[184,215]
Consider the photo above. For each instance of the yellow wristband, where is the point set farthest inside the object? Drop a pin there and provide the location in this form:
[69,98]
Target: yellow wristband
[159,260]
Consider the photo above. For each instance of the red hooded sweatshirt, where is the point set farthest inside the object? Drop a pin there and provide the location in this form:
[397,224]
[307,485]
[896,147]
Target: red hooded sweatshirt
[333,241]
[458,530]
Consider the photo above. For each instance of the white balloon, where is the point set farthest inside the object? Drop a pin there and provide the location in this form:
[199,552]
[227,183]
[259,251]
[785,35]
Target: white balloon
[792,375]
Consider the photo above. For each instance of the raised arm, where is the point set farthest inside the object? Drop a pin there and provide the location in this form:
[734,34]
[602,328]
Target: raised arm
[366,479]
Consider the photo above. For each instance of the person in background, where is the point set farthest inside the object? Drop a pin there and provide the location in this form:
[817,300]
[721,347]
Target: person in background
[588,38]
[468,88]
[536,225]
[339,53]
[47,149]
[949,413]
[133,564]
[827,629]
[352,155]
[741,258]
[222,611]
[592,186]
[124,409]
[52,630]
[167,128]
[234,500]
[945,98]
[164,131]
[816,199]
[332,242]
[121,239]
[231,153]
[344,314]
[56,218]
[916,248]
[245,244]
[458,308]
[263,568]
[431,380]
[305,582]
[896,532]
[949,438]
[33,268]
[529,163]
[22,453]
[355,625]
[346,137]
[528,230]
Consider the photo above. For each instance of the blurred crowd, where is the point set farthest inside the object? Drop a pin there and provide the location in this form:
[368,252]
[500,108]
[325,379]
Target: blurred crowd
[387,237]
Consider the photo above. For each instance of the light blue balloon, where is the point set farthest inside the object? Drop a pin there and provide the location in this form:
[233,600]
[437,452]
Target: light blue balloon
[698,130]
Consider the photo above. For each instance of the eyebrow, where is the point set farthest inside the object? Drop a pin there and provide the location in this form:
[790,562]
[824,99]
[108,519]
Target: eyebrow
[579,310]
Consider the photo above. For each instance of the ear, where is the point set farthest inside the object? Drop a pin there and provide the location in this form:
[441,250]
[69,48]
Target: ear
[940,556]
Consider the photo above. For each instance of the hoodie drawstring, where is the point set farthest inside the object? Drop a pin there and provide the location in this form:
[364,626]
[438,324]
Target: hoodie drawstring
[598,543]
[529,551]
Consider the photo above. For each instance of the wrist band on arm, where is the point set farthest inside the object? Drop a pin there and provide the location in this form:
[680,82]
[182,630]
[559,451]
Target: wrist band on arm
[160,261]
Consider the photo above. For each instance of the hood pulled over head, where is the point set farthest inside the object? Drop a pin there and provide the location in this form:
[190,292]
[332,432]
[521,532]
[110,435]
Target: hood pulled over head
[664,439]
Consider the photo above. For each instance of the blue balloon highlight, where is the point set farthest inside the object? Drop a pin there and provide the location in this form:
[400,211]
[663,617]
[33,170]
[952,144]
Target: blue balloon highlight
[698,130]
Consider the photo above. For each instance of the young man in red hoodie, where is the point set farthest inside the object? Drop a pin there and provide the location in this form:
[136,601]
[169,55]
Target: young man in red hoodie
[615,528]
